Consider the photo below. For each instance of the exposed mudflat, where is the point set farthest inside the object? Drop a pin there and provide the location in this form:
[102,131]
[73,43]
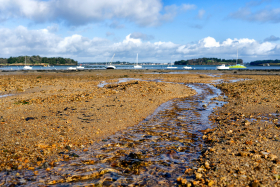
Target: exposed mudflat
[48,117]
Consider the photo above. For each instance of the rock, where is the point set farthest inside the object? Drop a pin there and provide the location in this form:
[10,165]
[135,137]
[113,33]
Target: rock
[272,157]
[68,147]
[207,165]
[212,150]
[248,142]
[200,170]
[22,181]
[74,155]
[198,175]
[45,165]
[195,183]
[256,184]
[211,183]
[184,181]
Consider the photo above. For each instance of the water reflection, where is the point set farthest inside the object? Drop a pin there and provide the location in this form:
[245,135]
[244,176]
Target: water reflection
[1,96]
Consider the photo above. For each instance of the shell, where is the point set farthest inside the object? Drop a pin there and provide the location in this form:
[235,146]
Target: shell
[272,157]
[256,156]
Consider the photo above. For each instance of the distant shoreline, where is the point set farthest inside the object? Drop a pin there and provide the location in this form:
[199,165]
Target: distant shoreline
[1,65]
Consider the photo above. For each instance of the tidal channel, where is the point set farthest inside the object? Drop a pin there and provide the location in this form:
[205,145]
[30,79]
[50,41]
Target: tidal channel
[153,153]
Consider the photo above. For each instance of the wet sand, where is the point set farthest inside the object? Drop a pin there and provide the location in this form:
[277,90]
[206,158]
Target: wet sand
[48,113]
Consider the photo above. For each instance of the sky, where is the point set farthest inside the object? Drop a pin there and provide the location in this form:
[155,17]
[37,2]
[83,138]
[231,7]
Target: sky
[158,30]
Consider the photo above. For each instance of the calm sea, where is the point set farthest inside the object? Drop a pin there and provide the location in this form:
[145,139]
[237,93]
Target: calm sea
[155,67]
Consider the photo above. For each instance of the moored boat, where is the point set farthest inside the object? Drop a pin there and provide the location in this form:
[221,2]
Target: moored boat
[137,66]
[27,67]
[111,66]
[237,66]
[72,68]
[222,67]
[80,67]
[187,67]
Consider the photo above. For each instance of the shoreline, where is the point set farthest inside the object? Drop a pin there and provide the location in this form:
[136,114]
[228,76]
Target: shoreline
[231,71]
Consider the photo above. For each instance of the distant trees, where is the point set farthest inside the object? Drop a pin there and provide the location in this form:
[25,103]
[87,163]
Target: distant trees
[37,60]
[208,61]
[265,62]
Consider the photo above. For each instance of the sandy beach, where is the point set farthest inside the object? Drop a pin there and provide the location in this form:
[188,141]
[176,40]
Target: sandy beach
[47,113]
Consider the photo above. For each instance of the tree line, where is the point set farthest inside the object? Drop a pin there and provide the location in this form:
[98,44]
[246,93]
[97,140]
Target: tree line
[265,62]
[208,61]
[37,60]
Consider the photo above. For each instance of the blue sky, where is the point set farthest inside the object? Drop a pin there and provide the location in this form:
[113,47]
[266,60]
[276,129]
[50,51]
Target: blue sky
[159,30]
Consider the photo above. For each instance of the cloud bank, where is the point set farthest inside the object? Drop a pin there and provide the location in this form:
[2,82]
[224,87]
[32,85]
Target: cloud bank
[76,12]
[21,41]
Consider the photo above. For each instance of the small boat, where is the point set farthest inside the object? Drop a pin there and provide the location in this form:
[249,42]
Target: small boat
[111,66]
[137,66]
[72,68]
[171,67]
[187,67]
[237,66]
[222,67]
[80,67]
[27,67]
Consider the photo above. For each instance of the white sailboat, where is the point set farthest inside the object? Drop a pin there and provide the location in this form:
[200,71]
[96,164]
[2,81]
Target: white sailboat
[72,68]
[171,67]
[137,66]
[237,65]
[27,67]
[111,66]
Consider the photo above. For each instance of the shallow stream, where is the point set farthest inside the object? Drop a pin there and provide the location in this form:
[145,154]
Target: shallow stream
[153,153]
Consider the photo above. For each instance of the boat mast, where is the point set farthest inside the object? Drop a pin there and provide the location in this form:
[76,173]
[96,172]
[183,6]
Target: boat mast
[237,55]
[112,59]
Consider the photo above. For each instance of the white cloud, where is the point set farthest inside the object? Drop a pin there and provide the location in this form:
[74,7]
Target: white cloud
[209,42]
[128,39]
[21,41]
[247,48]
[76,12]
[31,9]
